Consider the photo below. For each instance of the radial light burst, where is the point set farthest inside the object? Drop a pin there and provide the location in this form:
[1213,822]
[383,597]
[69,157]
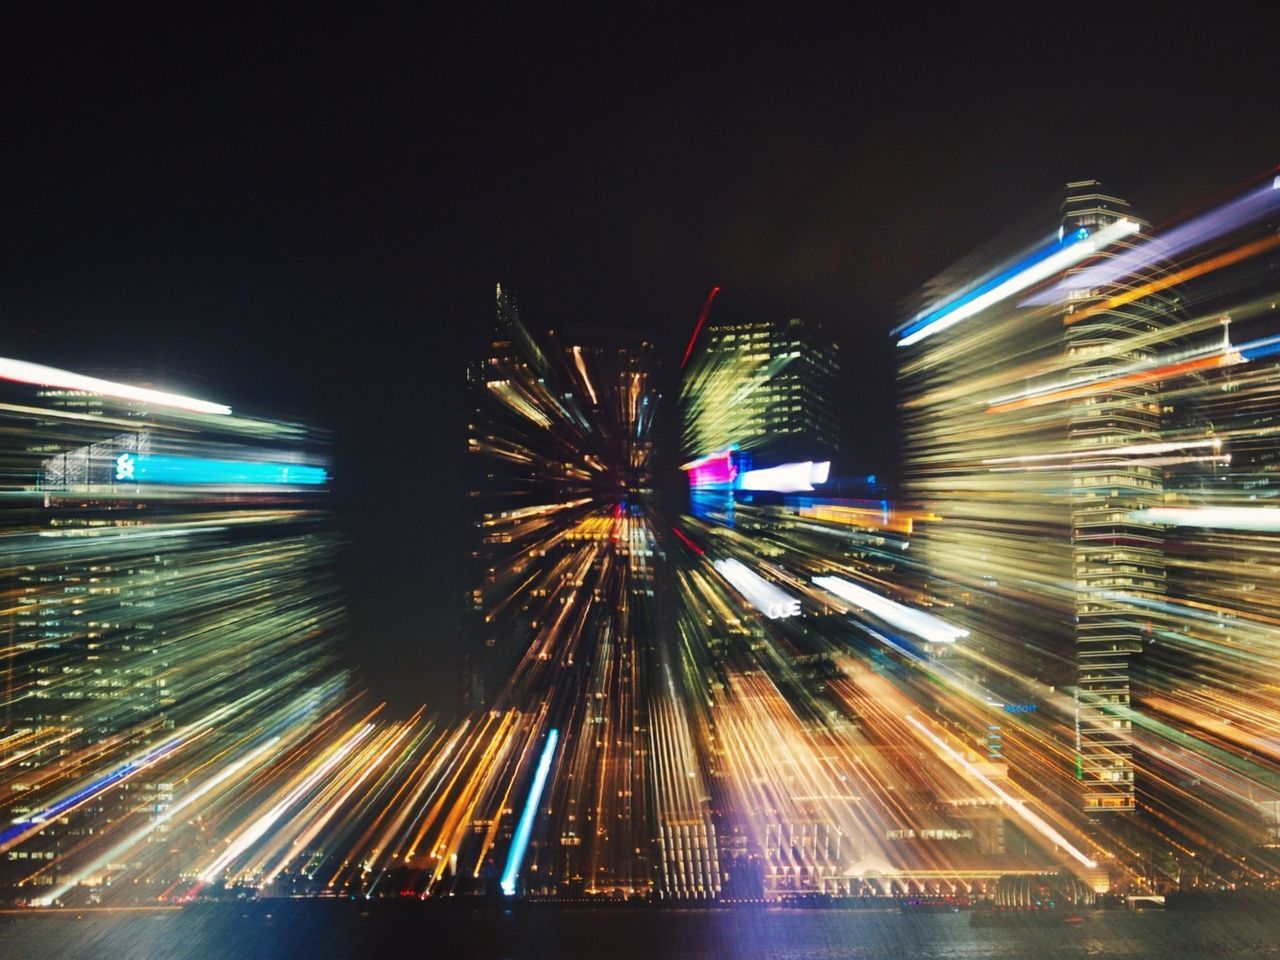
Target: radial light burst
[1051,654]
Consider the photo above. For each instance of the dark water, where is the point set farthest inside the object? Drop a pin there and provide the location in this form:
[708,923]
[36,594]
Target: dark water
[324,930]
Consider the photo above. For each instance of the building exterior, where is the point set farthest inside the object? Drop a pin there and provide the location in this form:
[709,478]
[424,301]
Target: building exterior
[1033,476]
[1117,559]
[162,565]
[561,614]
[560,441]
[1093,422]
[764,387]
[1212,636]
[757,396]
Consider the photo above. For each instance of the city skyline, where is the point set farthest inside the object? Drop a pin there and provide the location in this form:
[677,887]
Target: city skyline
[639,482]
[308,216]
[1035,664]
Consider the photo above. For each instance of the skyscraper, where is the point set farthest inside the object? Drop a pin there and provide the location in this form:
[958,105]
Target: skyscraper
[561,432]
[1033,474]
[561,607]
[757,395]
[763,387]
[165,564]
[1092,421]
[1117,559]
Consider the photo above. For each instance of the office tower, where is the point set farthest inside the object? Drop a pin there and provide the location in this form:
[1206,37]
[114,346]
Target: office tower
[763,387]
[1093,422]
[561,606]
[560,441]
[1024,466]
[995,556]
[1117,559]
[757,396]
[167,562]
[1203,670]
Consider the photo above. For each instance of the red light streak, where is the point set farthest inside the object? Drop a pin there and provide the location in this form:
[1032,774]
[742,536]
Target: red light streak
[687,542]
[702,318]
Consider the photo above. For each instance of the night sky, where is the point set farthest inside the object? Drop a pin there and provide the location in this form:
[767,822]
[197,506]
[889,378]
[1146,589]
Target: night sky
[306,217]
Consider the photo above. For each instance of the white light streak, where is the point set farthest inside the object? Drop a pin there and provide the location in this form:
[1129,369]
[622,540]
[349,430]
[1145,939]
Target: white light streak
[582,369]
[924,625]
[1062,260]
[1228,518]
[1018,806]
[760,593]
[786,477]
[259,828]
[20,371]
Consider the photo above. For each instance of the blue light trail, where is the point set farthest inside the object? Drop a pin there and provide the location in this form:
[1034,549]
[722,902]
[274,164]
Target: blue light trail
[148,469]
[917,330]
[521,840]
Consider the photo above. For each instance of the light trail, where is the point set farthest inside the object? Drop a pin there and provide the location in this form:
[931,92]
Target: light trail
[520,841]
[20,371]
[1112,474]
[702,318]
[786,477]
[1041,265]
[774,603]
[1019,807]
[1244,252]
[1170,243]
[1225,518]
[258,829]
[923,625]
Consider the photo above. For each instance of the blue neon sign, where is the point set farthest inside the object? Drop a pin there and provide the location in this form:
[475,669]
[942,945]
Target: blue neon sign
[139,468]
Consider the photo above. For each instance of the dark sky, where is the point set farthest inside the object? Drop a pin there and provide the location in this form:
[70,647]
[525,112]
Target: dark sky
[307,216]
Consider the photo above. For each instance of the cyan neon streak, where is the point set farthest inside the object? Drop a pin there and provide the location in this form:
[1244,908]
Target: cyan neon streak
[147,469]
[1064,254]
[1257,349]
[916,330]
[521,840]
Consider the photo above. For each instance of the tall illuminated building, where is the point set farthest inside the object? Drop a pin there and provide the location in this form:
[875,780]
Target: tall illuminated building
[1118,561]
[560,618]
[764,386]
[560,431]
[166,560]
[1204,671]
[1031,546]
[756,395]
[1093,422]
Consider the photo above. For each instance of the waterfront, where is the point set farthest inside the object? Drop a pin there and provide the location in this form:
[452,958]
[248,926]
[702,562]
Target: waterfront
[319,929]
